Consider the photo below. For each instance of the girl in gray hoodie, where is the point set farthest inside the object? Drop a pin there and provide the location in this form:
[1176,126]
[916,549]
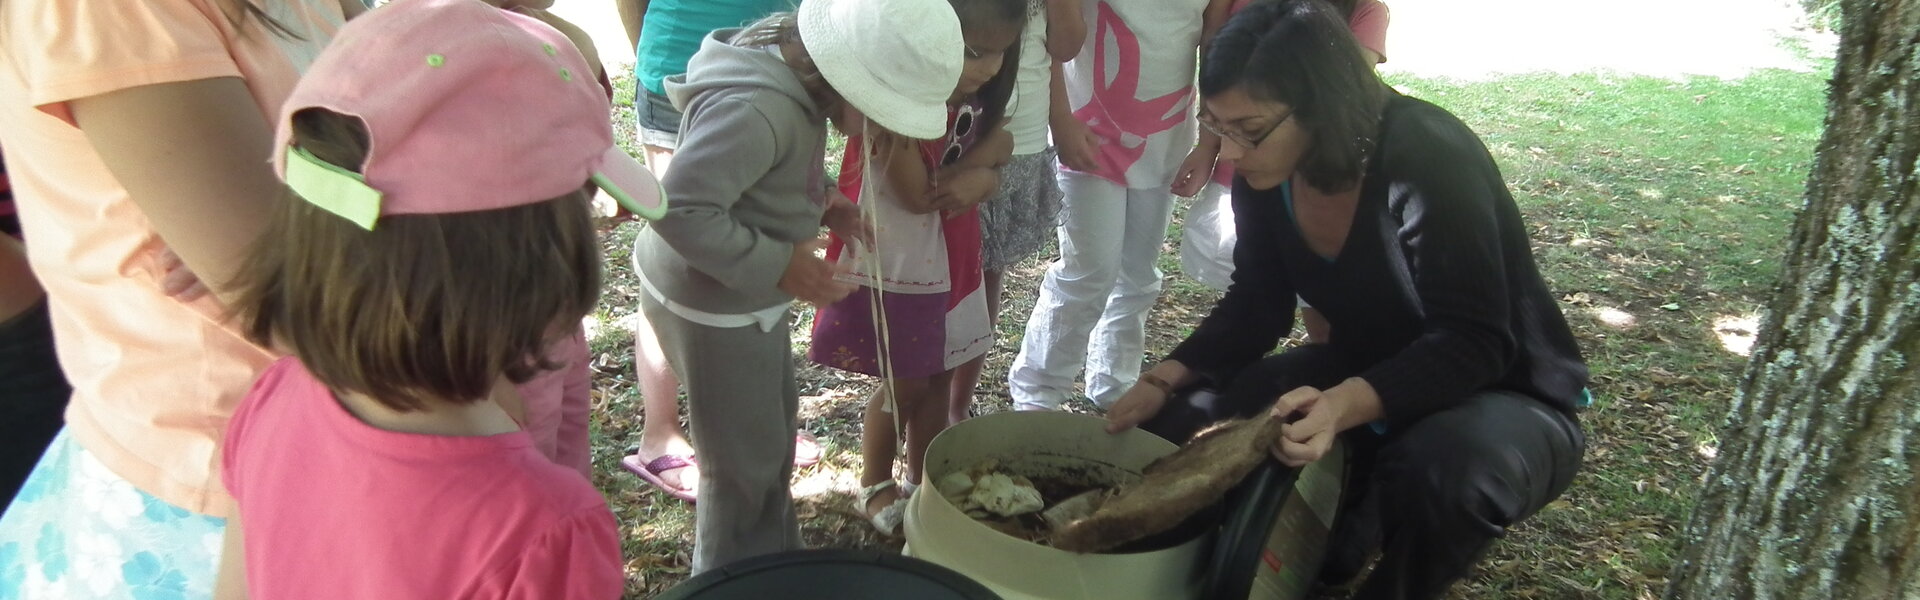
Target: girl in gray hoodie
[739,243]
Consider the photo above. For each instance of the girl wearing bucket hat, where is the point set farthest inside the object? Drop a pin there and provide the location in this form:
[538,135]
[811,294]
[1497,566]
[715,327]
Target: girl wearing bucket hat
[721,268]
[921,311]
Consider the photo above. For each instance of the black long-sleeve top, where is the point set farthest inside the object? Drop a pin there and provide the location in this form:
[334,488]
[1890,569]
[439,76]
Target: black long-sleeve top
[1435,293]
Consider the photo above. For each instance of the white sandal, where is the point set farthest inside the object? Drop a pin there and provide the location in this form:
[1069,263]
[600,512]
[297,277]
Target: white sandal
[890,517]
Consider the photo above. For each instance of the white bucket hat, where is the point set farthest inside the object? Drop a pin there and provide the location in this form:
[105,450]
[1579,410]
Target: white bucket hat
[897,61]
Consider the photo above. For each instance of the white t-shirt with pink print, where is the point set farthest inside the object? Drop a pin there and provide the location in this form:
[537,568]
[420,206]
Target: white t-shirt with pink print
[1132,84]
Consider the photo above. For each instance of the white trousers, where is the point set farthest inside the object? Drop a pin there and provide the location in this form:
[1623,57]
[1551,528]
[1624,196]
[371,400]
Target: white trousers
[1207,237]
[1092,310]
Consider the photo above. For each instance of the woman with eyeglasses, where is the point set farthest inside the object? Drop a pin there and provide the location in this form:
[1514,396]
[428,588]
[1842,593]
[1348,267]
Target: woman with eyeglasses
[1206,232]
[1451,374]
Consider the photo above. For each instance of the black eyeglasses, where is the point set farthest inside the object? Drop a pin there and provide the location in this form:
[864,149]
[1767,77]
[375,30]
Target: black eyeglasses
[1244,140]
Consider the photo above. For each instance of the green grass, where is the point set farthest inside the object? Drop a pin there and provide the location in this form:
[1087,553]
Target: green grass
[1668,202]
[1662,205]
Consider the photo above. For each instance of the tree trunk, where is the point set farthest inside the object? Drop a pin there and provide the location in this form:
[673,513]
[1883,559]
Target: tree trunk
[1815,493]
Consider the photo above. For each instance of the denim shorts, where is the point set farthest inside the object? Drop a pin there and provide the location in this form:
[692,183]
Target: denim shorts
[659,121]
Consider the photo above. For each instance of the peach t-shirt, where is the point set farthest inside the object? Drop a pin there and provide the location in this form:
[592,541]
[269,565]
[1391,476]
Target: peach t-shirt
[154,379]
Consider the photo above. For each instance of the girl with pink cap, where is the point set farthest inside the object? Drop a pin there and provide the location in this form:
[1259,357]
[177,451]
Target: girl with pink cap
[431,252]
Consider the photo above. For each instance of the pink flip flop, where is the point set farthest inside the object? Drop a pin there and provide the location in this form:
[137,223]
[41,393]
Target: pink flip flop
[806,451]
[650,472]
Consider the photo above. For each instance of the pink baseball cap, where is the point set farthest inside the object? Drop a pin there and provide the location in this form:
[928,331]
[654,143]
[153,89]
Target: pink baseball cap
[469,108]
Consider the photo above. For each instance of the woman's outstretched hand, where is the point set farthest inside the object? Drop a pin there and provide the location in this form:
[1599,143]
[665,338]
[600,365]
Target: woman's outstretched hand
[1140,403]
[1144,400]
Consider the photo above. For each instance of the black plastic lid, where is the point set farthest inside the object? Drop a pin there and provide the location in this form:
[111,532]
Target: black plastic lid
[831,575]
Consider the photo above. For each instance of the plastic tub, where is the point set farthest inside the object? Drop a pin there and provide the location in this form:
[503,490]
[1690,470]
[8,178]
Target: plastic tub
[939,532]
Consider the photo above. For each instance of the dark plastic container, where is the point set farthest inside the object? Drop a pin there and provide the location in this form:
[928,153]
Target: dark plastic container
[830,575]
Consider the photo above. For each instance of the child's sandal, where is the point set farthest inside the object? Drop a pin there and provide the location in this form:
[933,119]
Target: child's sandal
[889,518]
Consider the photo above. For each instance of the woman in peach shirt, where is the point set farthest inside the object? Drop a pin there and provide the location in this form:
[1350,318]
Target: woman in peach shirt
[136,136]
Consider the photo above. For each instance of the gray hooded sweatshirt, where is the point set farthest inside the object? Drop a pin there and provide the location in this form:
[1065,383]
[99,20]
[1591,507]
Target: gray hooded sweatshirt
[746,185]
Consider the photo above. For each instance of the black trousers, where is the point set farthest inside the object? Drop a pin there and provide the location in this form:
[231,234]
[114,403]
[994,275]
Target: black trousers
[1431,497]
[33,396]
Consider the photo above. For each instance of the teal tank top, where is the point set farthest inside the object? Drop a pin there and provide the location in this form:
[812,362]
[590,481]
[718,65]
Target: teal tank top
[674,28]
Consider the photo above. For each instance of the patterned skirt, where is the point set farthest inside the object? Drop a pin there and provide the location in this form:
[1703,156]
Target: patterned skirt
[77,531]
[1017,222]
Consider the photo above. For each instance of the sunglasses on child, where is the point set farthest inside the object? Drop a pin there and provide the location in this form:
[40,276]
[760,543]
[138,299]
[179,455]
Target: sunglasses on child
[963,124]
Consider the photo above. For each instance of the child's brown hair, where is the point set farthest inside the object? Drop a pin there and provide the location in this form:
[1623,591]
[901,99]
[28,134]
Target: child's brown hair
[422,307]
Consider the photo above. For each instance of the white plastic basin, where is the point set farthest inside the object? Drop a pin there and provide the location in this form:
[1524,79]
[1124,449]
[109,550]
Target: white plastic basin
[937,531]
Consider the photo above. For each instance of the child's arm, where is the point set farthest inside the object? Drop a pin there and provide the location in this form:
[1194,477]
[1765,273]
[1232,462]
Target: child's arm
[726,147]
[1212,19]
[230,579]
[843,218]
[633,14]
[1066,32]
[992,151]
[975,177]
[906,176]
[1198,166]
[1075,143]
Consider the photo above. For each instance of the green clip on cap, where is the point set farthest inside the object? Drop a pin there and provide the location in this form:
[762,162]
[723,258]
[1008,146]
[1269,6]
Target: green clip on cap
[332,188]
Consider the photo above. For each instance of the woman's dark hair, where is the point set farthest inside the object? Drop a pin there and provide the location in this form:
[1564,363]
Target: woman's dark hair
[995,94]
[1301,53]
[429,306]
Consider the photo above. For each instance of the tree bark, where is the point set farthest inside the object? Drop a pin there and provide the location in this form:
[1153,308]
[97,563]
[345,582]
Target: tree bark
[1815,493]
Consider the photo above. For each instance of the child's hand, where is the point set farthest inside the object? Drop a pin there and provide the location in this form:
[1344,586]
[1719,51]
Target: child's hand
[1077,145]
[606,207]
[843,218]
[179,283]
[810,278]
[1194,171]
[965,188]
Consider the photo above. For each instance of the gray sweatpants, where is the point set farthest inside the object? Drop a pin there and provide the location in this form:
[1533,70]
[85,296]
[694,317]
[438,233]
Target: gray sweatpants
[743,401]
